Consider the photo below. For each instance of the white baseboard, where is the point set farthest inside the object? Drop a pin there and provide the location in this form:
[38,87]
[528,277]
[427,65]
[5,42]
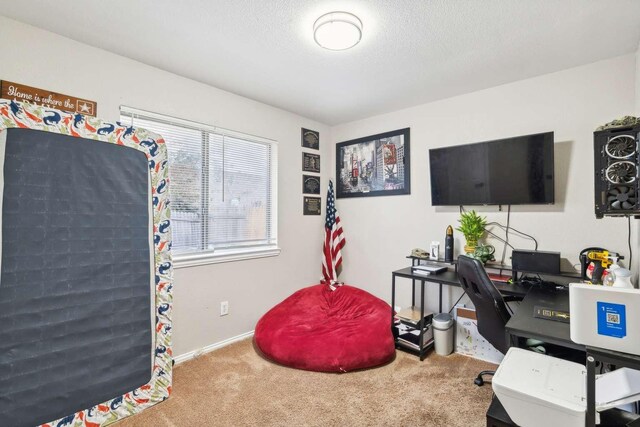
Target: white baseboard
[211,347]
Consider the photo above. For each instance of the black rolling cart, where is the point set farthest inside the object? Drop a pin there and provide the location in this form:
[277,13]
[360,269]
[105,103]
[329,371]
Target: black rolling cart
[448,277]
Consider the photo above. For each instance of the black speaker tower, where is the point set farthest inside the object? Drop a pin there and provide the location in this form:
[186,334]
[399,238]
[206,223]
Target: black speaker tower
[617,165]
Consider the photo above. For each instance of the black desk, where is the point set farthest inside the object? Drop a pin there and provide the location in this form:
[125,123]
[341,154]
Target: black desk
[497,416]
[523,324]
[449,278]
[515,289]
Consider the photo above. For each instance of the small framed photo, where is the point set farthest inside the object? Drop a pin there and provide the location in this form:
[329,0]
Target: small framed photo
[376,165]
[310,139]
[312,206]
[311,162]
[310,184]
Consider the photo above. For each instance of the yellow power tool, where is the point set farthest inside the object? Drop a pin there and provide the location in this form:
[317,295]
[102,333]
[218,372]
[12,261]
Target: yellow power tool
[601,260]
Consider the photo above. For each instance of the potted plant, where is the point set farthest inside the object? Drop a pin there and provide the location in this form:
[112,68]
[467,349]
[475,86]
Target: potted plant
[472,227]
[484,253]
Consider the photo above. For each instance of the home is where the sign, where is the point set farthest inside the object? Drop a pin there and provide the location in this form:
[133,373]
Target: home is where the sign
[24,93]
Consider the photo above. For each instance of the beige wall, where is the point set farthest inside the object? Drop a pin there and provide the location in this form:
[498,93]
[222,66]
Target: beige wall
[42,59]
[381,231]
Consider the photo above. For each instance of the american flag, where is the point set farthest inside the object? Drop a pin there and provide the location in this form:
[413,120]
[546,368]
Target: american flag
[333,242]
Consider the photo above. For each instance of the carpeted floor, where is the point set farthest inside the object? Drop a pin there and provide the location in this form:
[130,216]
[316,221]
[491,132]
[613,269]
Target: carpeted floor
[234,386]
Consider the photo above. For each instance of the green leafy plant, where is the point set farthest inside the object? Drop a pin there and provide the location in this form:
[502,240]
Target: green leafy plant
[472,227]
[484,253]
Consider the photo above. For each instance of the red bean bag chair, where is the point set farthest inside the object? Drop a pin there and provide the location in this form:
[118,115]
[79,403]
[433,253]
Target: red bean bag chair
[318,329]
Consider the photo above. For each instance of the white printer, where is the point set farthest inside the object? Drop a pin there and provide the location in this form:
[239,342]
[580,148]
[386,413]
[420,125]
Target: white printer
[540,390]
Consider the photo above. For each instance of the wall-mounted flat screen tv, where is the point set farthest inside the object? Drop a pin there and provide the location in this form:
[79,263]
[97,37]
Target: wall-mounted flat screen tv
[510,171]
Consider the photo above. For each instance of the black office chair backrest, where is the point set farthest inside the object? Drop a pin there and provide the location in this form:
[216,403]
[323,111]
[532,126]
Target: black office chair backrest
[491,310]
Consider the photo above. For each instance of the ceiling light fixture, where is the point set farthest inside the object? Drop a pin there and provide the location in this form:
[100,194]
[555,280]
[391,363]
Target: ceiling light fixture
[337,30]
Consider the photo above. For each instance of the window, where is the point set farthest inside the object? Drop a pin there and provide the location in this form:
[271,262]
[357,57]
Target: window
[223,189]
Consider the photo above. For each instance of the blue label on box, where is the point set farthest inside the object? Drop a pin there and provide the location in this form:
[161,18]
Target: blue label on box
[612,320]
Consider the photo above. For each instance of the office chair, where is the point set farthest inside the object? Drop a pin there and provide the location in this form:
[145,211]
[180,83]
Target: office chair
[491,309]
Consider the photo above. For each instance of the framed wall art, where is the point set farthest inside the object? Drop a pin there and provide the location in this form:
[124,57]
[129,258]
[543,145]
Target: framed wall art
[310,139]
[310,184]
[311,162]
[312,206]
[376,165]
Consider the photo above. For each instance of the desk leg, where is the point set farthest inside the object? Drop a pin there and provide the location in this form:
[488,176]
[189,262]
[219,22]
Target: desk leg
[509,339]
[421,322]
[414,262]
[440,309]
[393,298]
[413,293]
[591,391]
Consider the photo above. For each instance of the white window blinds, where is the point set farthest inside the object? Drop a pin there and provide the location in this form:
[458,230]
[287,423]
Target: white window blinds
[222,185]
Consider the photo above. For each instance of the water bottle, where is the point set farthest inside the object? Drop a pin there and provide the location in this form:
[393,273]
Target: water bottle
[448,245]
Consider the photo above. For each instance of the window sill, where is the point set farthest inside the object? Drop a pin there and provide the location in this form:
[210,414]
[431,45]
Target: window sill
[226,255]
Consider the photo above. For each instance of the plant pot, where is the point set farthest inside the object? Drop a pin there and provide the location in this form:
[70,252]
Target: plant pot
[470,247]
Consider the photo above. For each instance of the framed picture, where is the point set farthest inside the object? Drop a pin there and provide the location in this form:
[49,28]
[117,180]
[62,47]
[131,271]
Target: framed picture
[311,162]
[312,206]
[310,184]
[310,139]
[376,165]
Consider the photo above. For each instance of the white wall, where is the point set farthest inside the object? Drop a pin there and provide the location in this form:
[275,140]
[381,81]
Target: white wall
[38,58]
[638,81]
[381,231]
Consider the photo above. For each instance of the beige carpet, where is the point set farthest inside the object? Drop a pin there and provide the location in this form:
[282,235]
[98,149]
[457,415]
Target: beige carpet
[234,386]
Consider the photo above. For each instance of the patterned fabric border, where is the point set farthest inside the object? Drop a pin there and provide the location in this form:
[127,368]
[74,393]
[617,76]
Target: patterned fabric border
[22,115]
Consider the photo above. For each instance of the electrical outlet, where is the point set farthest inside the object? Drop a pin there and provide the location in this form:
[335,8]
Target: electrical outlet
[224,308]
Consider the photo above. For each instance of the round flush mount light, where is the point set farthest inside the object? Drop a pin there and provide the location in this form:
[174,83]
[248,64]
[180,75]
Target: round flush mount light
[337,30]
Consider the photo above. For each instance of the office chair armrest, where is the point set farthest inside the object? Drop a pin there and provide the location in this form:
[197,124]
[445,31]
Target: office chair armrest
[511,298]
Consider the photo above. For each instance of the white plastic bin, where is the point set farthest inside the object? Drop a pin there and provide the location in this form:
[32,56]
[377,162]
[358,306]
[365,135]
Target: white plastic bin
[443,333]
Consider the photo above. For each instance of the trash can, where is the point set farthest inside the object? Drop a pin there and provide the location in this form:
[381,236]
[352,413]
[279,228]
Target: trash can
[443,333]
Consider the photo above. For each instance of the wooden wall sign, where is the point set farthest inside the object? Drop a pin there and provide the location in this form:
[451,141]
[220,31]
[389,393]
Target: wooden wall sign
[24,93]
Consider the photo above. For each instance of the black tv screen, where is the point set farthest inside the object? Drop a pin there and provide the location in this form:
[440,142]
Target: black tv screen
[511,171]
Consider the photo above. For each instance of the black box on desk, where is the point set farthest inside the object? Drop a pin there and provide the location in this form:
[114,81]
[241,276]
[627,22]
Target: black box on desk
[535,261]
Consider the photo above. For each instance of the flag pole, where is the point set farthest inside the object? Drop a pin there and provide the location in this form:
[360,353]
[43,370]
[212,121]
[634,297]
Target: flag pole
[334,241]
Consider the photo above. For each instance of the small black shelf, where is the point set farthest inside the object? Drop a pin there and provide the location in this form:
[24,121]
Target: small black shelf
[402,345]
[441,278]
[439,260]
[405,347]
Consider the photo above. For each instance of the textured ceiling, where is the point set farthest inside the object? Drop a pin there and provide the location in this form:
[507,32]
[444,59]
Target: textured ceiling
[412,51]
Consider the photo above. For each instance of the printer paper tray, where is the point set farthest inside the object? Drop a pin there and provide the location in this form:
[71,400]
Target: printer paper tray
[617,388]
